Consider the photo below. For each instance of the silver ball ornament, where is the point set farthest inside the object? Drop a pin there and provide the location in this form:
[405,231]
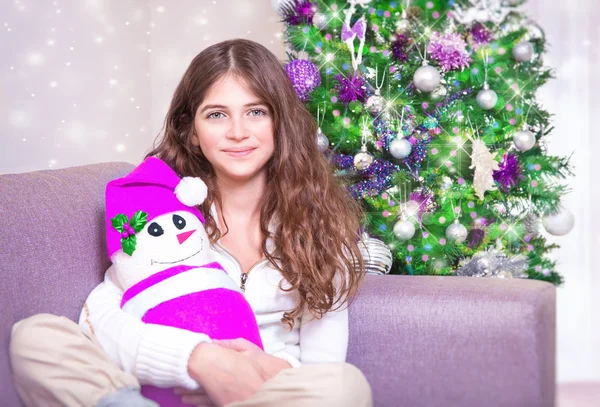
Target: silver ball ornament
[523,51]
[375,104]
[320,20]
[560,223]
[427,78]
[377,255]
[322,141]
[404,230]
[486,99]
[456,233]
[400,148]
[363,159]
[524,140]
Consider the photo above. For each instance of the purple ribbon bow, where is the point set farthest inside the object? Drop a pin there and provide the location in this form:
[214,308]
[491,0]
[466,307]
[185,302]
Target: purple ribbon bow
[357,30]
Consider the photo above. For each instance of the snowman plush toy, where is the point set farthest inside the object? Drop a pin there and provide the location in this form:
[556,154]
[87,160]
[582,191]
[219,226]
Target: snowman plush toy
[161,254]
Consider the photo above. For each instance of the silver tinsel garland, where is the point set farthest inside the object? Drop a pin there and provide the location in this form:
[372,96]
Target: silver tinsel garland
[494,263]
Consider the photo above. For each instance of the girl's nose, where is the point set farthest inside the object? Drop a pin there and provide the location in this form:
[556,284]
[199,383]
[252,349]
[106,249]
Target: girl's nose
[238,130]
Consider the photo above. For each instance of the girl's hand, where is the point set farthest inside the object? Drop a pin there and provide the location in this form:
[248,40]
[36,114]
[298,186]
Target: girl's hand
[197,398]
[270,365]
[226,375]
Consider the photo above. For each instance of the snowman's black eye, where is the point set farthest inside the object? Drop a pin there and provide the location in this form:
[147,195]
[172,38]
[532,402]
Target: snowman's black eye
[179,222]
[155,230]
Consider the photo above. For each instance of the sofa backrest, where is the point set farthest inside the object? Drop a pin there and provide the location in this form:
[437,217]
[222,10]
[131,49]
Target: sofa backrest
[52,246]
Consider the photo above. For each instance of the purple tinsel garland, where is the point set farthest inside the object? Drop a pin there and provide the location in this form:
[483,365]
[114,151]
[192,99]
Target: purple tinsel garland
[302,13]
[510,172]
[457,95]
[376,179]
[384,133]
[420,140]
[350,89]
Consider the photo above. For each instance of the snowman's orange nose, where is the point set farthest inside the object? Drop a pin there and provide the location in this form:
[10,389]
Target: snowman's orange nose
[182,237]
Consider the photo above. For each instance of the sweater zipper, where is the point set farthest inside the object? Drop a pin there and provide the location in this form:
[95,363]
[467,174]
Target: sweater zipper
[243,276]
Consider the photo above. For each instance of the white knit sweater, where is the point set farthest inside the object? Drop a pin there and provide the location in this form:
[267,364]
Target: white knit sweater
[158,355]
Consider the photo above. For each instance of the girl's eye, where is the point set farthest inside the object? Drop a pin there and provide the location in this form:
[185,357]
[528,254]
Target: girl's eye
[214,115]
[257,112]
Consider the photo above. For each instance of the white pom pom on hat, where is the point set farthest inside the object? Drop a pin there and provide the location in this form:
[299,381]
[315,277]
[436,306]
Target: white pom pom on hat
[191,191]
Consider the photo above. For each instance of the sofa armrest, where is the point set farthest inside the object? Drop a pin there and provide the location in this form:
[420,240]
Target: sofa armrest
[455,341]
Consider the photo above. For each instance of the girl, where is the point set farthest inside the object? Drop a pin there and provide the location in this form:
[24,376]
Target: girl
[278,223]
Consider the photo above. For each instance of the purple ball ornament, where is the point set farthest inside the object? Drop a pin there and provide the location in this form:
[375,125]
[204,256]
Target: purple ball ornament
[305,77]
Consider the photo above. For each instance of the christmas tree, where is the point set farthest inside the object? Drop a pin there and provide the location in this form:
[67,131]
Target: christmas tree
[427,109]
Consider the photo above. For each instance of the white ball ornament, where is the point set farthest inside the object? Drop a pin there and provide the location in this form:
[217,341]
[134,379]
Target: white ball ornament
[400,148]
[363,159]
[523,51]
[456,232]
[375,104]
[427,78]
[524,140]
[560,223]
[404,230]
[486,99]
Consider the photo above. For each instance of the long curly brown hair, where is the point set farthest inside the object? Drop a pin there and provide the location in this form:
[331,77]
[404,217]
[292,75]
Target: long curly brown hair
[317,224]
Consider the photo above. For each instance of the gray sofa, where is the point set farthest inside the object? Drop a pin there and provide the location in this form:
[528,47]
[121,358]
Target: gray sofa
[421,341]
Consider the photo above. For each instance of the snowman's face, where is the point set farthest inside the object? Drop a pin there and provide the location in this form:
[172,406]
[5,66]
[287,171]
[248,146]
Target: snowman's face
[173,239]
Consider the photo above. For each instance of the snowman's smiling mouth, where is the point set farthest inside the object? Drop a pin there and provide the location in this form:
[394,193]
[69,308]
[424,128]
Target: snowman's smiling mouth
[173,262]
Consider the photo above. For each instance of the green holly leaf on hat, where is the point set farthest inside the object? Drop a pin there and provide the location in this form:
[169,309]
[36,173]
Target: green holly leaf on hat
[118,222]
[129,244]
[138,221]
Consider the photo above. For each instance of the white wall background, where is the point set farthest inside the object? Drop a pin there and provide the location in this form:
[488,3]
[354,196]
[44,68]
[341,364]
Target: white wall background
[84,81]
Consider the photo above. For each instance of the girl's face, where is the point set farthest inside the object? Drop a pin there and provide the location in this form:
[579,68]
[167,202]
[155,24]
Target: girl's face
[234,130]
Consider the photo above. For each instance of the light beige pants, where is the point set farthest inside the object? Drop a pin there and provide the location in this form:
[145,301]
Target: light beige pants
[55,364]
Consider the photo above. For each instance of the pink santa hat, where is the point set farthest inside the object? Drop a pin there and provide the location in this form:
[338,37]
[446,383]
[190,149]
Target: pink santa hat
[153,188]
